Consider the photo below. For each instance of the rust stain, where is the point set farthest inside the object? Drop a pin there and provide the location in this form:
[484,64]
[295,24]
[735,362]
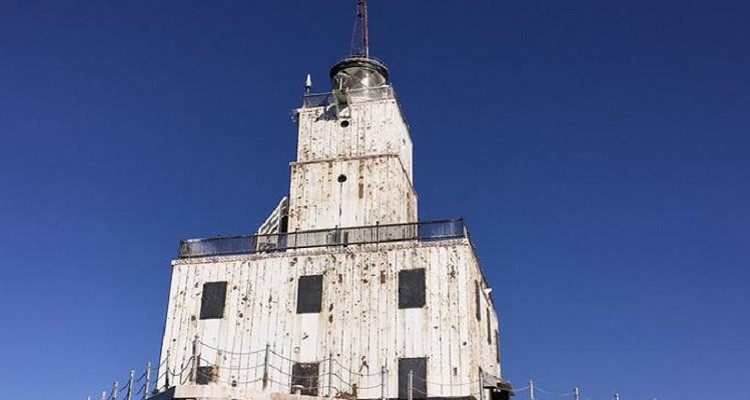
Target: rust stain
[382,276]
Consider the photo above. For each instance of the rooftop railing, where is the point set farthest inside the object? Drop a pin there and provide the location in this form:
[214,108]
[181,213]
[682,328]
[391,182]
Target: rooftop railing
[354,96]
[231,245]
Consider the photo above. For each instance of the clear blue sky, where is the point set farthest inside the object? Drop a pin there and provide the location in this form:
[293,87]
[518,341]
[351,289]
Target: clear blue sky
[599,150]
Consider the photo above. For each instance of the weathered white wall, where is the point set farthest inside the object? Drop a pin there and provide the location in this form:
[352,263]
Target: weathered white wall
[376,191]
[374,152]
[375,127]
[360,324]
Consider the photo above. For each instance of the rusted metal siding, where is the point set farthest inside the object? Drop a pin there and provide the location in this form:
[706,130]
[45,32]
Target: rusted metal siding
[360,323]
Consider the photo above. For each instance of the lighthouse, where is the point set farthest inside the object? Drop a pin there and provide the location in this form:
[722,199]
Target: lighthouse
[342,291]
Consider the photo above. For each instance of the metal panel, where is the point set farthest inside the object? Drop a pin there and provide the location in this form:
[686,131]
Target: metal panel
[411,288]
[206,375]
[305,378]
[418,367]
[213,299]
[309,294]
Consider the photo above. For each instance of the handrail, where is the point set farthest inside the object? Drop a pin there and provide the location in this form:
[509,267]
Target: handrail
[250,244]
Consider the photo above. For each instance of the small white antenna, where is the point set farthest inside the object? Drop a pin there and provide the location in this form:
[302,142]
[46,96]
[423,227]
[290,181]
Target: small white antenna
[308,84]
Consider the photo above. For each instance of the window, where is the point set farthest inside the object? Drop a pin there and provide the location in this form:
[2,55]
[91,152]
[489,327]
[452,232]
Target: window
[411,288]
[309,294]
[206,375]
[477,300]
[489,328]
[305,378]
[213,299]
[497,345]
[418,367]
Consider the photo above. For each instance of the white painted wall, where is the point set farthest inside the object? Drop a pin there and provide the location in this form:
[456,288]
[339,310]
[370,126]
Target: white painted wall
[360,323]
[374,152]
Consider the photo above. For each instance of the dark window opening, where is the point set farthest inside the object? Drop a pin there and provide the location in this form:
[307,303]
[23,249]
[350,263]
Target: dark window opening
[284,224]
[305,378]
[344,123]
[411,288]
[309,294]
[477,300]
[213,300]
[498,394]
[497,345]
[418,367]
[489,328]
[206,375]
[342,178]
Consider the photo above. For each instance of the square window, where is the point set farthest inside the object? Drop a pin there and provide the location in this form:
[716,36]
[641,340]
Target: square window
[305,378]
[411,288]
[418,367]
[213,300]
[206,375]
[309,294]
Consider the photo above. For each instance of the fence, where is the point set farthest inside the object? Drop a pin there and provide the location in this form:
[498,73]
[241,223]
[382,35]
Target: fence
[268,370]
[421,231]
[324,99]
[272,371]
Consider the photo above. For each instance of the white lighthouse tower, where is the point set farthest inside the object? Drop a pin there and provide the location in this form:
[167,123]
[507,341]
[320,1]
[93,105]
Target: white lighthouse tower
[342,292]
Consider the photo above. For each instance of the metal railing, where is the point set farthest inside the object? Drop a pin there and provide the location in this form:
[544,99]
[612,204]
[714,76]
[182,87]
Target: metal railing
[365,94]
[420,231]
[266,369]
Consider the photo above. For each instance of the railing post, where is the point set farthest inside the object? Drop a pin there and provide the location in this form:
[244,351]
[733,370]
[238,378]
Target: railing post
[148,376]
[104,395]
[194,362]
[330,374]
[265,366]
[115,387]
[531,390]
[218,368]
[130,385]
[410,386]
[382,382]
[576,395]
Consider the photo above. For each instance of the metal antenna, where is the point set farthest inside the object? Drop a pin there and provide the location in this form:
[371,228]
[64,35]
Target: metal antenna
[308,84]
[360,38]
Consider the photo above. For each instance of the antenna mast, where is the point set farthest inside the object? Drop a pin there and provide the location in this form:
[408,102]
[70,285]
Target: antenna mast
[360,38]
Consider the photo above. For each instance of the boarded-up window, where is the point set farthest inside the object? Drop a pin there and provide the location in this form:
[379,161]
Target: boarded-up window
[305,378]
[418,367]
[477,301]
[309,294]
[411,288]
[489,328]
[497,344]
[213,299]
[206,375]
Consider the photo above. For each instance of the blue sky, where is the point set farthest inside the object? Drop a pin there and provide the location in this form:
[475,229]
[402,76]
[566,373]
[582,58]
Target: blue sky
[599,151]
